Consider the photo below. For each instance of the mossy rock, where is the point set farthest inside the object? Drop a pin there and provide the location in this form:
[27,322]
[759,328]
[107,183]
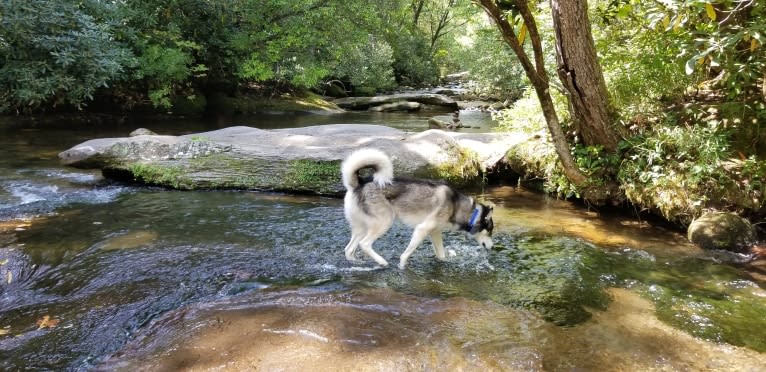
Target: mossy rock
[301,160]
[337,91]
[719,230]
[363,91]
[534,158]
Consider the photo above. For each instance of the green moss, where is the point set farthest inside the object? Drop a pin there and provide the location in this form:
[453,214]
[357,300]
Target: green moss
[303,176]
[154,174]
[198,138]
[318,176]
[464,171]
[250,174]
[534,158]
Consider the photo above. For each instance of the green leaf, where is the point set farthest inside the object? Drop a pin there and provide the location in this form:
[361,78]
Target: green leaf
[710,11]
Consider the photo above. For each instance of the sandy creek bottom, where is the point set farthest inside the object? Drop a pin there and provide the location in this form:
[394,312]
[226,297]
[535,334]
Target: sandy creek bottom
[381,330]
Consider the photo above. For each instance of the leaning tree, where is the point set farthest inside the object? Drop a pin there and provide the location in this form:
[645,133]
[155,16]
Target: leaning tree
[577,68]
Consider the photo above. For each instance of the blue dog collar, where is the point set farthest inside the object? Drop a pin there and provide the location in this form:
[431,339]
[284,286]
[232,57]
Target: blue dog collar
[474,217]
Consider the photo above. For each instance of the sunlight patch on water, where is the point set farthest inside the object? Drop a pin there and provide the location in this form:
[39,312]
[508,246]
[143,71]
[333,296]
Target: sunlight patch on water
[129,240]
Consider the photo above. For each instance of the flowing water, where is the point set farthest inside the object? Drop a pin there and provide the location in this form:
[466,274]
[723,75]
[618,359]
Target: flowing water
[108,276]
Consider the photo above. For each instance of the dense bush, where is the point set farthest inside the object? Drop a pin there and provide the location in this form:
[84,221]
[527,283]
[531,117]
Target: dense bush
[642,69]
[368,66]
[52,53]
[677,169]
[682,169]
[151,52]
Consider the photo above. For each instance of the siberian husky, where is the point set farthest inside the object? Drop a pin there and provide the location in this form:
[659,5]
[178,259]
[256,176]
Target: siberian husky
[373,202]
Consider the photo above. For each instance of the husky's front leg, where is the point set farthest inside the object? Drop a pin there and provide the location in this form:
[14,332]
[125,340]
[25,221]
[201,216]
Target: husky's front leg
[417,237]
[436,239]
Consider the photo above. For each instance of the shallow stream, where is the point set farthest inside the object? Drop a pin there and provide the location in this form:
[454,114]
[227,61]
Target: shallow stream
[109,276]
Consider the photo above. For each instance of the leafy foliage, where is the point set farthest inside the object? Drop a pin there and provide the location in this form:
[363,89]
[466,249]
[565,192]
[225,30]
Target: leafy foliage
[696,157]
[368,65]
[413,62]
[153,51]
[53,53]
[642,69]
[724,39]
[677,169]
[485,55]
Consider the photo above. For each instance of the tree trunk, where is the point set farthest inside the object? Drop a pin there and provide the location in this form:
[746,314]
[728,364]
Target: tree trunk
[538,77]
[580,73]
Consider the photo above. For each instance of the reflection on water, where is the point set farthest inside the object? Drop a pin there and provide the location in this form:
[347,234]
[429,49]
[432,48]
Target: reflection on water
[150,279]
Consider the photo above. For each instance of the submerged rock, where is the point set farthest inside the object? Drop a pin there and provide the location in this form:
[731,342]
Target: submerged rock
[364,103]
[142,132]
[397,106]
[304,160]
[725,231]
[438,123]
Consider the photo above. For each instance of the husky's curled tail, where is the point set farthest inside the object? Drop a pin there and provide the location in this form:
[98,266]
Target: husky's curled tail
[367,158]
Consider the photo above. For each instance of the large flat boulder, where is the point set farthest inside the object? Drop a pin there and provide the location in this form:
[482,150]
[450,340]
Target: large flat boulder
[303,160]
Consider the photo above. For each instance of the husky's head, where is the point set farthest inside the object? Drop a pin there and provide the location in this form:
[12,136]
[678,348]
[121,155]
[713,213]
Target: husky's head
[481,225]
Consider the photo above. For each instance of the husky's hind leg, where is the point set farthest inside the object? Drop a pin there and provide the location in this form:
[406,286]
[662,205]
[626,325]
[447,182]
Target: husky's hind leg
[372,234]
[356,236]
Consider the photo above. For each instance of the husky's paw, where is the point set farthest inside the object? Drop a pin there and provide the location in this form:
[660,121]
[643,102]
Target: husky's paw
[451,253]
[353,259]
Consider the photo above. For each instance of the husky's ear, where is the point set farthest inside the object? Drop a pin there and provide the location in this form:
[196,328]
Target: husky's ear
[489,213]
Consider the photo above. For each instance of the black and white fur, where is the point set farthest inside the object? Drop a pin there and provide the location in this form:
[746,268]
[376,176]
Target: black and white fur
[372,204]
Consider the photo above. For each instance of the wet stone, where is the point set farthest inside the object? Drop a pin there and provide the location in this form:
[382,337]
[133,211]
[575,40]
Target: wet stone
[725,231]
